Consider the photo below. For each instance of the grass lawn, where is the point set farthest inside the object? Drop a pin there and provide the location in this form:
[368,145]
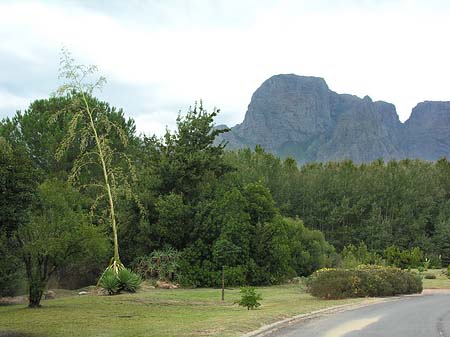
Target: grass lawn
[155,312]
[441,281]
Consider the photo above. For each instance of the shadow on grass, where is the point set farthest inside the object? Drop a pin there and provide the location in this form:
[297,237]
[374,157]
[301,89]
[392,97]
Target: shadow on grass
[16,334]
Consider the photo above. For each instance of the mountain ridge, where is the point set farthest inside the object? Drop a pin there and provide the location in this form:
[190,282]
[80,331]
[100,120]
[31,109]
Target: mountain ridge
[300,117]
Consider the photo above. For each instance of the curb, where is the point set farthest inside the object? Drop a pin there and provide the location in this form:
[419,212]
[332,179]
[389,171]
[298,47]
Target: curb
[269,328]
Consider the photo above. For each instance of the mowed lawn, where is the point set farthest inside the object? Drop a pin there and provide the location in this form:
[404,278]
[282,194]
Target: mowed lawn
[440,282]
[157,312]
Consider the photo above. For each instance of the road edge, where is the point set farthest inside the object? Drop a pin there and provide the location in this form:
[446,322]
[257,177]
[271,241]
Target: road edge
[269,328]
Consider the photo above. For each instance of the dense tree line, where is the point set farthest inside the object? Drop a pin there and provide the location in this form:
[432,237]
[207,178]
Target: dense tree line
[402,203]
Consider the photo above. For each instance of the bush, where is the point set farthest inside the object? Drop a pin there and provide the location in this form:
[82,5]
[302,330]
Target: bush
[160,264]
[128,280]
[249,298]
[109,282]
[114,283]
[430,276]
[363,281]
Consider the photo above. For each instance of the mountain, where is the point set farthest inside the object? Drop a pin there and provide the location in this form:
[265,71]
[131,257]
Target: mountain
[299,116]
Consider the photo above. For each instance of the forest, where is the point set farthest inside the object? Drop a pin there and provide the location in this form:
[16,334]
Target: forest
[261,219]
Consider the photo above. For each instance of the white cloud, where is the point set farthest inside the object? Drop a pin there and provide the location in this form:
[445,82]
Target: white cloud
[12,102]
[175,52]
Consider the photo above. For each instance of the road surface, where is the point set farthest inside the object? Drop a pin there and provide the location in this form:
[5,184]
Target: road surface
[411,316]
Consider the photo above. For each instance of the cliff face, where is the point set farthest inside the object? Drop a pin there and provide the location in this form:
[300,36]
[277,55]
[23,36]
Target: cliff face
[300,116]
[427,131]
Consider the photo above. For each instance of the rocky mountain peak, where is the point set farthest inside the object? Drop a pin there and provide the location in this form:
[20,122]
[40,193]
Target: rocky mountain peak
[299,116]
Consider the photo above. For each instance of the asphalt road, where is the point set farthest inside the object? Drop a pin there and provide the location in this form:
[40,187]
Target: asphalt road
[415,316]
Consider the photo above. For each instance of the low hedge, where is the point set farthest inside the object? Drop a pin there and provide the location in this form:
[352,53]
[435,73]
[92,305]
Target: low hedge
[363,281]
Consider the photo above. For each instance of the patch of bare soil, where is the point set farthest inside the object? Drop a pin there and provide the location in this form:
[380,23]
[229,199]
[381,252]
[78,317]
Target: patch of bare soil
[12,300]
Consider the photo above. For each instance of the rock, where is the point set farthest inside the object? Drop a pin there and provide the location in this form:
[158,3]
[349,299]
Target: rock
[427,131]
[166,285]
[50,295]
[301,117]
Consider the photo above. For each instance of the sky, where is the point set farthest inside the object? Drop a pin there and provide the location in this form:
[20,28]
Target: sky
[161,56]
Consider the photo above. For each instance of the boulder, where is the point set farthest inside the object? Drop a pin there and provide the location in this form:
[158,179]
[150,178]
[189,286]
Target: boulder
[50,295]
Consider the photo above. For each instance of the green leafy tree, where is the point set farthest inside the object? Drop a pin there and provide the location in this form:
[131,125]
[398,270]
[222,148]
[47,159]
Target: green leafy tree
[58,233]
[17,191]
[40,132]
[249,298]
[442,243]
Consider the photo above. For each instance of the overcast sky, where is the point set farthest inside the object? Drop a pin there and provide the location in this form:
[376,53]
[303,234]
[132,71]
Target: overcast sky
[161,56]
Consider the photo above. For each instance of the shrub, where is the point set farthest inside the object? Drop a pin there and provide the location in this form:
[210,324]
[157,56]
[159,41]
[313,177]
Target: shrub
[128,280]
[421,269]
[109,282]
[430,276]
[114,283]
[363,281]
[249,298]
[160,264]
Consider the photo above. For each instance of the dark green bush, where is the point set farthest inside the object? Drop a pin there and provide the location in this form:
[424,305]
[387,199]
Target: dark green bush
[363,281]
[430,276]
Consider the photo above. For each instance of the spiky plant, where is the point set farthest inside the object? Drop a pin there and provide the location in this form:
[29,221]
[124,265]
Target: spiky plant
[109,282]
[128,280]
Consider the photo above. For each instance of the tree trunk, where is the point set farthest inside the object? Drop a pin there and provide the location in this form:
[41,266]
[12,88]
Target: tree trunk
[37,275]
[36,291]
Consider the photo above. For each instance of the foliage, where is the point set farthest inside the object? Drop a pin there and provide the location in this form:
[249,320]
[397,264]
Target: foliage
[249,298]
[161,264]
[430,276]
[124,280]
[128,280]
[12,276]
[109,282]
[58,233]
[380,203]
[353,256]
[18,182]
[404,259]
[363,281]
[17,190]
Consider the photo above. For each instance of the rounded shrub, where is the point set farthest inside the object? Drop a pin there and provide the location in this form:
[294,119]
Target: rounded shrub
[430,276]
[362,281]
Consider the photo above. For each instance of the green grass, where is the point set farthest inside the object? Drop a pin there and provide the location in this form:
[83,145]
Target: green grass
[154,312]
[441,281]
